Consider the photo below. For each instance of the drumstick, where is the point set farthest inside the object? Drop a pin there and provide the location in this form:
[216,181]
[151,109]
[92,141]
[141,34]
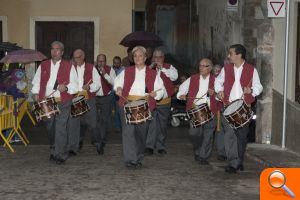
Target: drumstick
[144,97]
[53,91]
[86,84]
[200,97]
[126,100]
[218,121]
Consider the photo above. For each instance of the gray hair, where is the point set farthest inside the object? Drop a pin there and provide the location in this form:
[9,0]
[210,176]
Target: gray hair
[62,46]
[141,48]
[159,50]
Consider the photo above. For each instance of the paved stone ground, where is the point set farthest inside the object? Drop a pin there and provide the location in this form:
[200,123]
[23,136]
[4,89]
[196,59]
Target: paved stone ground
[28,174]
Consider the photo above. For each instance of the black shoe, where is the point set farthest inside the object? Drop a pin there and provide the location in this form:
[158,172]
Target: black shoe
[100,149]
[162,151]
[72,153]
[80,144]
[222,158]
[131,165]
[60,161]
[52,158]
[139,165]
[204,162]
[230,170]
[197,158]
[148,151]
[241,167]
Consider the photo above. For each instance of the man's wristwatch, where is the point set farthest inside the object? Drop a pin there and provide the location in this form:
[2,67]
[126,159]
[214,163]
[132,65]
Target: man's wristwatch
[66,89]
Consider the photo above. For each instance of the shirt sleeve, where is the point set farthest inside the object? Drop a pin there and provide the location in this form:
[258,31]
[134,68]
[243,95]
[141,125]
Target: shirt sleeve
[111,77]
[36,81]
[219,81]
[257,88]
[95,86]
[119,81]
[73,84]
[159,87]
[183,88]
[171,73]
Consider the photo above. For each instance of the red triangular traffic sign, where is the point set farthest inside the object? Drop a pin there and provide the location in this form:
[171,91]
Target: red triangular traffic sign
[276,6]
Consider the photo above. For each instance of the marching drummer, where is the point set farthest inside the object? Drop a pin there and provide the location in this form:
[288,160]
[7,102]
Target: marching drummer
[199,90]
[88,85]
[237,80]
[134,83]
[56,78]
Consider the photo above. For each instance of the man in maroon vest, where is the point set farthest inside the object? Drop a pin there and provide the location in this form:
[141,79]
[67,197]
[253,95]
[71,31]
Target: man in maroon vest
[88,85]
[134,83]
[56,78]
[157,133]
[237,80]
[104,97]
[197,90]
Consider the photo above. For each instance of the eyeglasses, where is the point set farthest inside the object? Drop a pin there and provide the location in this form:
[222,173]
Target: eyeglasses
[204,65]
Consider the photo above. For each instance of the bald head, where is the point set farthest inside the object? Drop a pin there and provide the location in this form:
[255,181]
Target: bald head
[78,57]
[205,66]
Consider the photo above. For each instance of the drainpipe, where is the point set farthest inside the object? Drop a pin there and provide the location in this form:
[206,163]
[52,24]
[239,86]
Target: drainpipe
[287,26]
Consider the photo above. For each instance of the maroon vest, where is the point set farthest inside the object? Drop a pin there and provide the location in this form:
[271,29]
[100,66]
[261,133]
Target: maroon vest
[63,77]
[129,78]
[88,77]
[246,81]
[167,81]
[106,86]
[215,106]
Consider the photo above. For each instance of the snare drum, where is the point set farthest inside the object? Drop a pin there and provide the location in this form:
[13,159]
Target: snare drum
[45,109]
[238,114]
[137,112]
[79,106]
[200,115]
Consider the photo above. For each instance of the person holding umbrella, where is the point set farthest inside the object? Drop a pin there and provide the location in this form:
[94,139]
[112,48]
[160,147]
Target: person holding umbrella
[158,127]
[134,83]
[56,78]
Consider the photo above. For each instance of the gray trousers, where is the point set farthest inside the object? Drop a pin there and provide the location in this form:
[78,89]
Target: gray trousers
[202,139]
[219,140]
[57,131]
[104,112]
[77,127]
[157,133]
[133,139]
[235,143]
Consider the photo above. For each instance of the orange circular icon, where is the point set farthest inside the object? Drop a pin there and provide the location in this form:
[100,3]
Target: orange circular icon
[277,179]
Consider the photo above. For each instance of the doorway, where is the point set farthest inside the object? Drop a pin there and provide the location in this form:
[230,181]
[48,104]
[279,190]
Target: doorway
[165,26]
[71,33]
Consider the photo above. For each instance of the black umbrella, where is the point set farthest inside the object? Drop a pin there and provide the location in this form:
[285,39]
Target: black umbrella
[7,46]
[142,38]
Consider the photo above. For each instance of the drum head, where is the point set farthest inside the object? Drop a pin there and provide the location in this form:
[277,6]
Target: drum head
[78,98]
[135,103]
[234,106]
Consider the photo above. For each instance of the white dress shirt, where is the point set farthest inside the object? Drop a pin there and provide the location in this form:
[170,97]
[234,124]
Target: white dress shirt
[139,84]
[202,92]
[72,86]
[237,90]
[171,73]
[95,85]
[110,78]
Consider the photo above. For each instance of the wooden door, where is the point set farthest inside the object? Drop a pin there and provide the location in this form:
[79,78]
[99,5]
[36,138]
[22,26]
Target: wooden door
[72,34]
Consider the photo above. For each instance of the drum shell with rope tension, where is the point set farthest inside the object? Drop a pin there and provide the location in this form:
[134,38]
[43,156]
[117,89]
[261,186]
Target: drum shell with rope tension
[200,115]
[79,106]
[45,109]
[238,114]
[137,112]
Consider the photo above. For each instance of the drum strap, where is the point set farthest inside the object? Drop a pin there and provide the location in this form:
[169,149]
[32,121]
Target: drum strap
[135,98]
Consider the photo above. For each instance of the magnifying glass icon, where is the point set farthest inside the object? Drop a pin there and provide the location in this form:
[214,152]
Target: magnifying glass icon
[277,180]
